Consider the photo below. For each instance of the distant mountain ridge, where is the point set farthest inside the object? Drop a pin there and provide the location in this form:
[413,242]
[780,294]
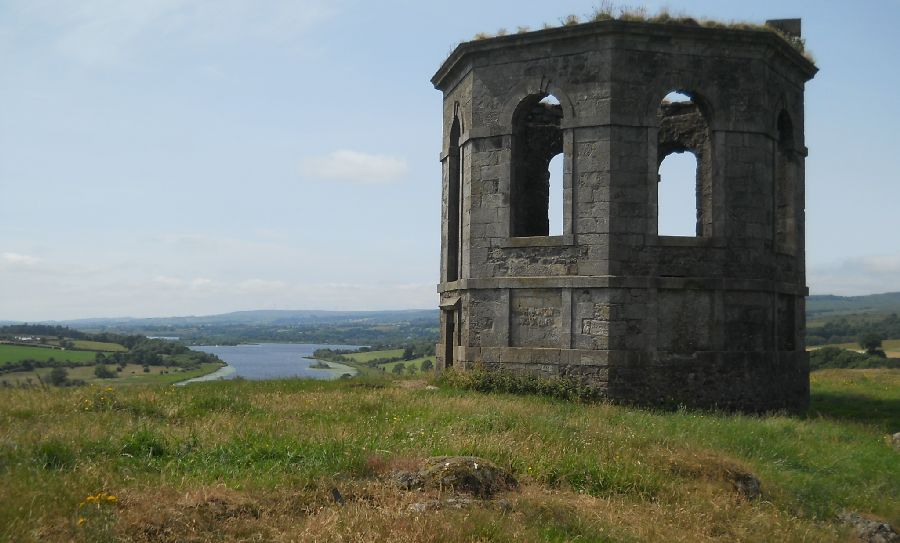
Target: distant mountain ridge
[261,317]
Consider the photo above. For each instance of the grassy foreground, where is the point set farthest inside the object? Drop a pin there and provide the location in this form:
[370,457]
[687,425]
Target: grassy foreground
[240,460]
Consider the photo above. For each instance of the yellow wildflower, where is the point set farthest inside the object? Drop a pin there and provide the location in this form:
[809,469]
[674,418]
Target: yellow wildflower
[81,520]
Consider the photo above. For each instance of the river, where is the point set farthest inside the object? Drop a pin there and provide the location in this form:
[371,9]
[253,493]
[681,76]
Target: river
[271,361]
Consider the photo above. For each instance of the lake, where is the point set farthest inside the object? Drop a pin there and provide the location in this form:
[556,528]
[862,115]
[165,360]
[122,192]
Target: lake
[271,361]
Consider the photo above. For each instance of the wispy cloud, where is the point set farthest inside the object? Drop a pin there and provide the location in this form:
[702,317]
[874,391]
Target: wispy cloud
[855,276]
[18,260]
[356,167]
[97,32]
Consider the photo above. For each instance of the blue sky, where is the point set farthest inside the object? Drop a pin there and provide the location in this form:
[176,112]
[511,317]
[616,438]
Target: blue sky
[174,157]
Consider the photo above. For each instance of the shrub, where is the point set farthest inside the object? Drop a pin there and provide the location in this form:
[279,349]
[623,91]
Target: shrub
[481,380]
[102,372]
[59,377]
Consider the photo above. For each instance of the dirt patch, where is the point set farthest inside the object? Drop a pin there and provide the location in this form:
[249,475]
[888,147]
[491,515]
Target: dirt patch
[716,468]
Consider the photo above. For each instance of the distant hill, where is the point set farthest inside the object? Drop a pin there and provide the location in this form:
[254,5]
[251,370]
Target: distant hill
[262,317]
[827,305]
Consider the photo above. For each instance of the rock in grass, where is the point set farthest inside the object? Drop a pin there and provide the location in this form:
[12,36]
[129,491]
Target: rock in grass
[895,441]
[746,484]
[868,530]
[469,474]
[406,480]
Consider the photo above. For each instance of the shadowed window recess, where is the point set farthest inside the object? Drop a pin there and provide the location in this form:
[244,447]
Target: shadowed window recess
[537,140]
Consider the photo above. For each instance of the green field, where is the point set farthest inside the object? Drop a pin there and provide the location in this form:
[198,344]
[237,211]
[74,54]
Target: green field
[16,353]
[99,346]
[263,461]
[372,355]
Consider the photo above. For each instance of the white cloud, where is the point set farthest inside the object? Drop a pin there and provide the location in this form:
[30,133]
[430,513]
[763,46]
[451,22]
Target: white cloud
[354,166]
[18,260]
[202,283]
[193,285]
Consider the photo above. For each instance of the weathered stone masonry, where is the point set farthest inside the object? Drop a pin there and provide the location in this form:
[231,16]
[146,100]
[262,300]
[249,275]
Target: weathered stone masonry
[715,319]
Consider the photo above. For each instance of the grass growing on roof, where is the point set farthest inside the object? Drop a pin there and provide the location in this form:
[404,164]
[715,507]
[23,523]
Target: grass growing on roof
[608,11]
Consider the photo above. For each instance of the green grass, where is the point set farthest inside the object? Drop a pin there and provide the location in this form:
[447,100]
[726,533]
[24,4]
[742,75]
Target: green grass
[250,460]
[16,353]
[870,397]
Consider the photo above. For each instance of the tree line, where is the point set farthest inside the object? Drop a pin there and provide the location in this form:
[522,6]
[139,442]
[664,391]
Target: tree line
[844,330]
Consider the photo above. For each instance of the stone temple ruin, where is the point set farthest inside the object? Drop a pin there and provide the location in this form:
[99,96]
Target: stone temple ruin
[714,319]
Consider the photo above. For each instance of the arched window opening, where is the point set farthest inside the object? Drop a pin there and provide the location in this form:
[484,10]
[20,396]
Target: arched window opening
[550,100]
[676,97]
[555,205]
[684,159]
[785,192]
[453,202]
[537,139]
[677,195]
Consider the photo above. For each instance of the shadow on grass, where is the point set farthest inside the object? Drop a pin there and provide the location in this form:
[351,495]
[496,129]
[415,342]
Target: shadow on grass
[883,414]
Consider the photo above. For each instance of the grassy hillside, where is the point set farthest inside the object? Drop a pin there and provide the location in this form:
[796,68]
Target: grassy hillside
[362,358]
[307,461]
[130,374]
[415,362]
[822,306]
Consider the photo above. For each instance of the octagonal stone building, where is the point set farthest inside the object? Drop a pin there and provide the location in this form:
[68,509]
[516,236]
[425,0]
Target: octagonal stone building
[713,319]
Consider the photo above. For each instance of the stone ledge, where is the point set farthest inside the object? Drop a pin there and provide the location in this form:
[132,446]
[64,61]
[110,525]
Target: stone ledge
[538,241]
[618,281]
[555,357]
